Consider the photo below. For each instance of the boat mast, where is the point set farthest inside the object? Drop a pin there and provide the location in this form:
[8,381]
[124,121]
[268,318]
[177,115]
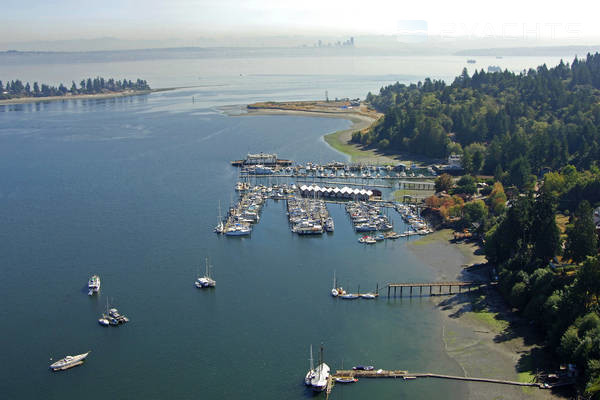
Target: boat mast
[334,279]
[312,361]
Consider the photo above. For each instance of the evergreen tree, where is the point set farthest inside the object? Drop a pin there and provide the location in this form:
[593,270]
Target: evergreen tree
[582,240]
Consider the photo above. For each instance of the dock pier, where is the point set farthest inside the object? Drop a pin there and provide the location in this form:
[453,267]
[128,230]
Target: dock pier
[431,285]
[405,375]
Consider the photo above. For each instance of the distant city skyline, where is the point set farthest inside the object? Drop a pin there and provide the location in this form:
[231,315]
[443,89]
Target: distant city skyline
[36,20]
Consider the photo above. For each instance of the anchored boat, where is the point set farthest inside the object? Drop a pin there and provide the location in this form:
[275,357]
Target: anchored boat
[69,362]
[206,280]
[93,285]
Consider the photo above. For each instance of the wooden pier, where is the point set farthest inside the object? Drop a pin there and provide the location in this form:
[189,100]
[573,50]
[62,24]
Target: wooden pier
[405,375]
[431,285]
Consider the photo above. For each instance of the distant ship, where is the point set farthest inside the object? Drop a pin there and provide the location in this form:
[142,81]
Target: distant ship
[68,362]
[93,285]
[471,61]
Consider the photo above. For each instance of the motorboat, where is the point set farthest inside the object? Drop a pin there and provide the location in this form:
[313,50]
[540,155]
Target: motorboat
[367,240]
[368,296]
[363,368]
[68,362]
[346,379]
[93,285]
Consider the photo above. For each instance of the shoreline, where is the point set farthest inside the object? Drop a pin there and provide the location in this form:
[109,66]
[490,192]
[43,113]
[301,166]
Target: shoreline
[361,118]
[485,341]
[97,96]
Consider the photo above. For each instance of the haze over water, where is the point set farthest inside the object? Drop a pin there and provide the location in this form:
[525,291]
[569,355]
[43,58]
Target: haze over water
[129,188]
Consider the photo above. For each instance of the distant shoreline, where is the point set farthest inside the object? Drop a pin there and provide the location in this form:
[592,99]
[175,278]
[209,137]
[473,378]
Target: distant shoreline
[361,117]
[98,96]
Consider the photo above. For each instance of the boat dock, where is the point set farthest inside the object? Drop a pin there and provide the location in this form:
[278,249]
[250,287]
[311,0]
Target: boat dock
[405,375]
[431,285]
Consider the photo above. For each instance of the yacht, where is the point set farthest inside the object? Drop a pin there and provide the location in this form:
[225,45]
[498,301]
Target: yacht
[319,380]
[311,372]
[329,225]
[68,362]
[367,240]
[238,230]
[206,280]
[93,285]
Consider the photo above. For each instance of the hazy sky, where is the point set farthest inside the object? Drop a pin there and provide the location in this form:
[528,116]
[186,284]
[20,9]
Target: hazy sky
[25,20]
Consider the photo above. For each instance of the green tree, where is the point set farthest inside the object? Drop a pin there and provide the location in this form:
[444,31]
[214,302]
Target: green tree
[474,211]
[473,157]
[466,184]
[544,231]
[520,173]
[582,240]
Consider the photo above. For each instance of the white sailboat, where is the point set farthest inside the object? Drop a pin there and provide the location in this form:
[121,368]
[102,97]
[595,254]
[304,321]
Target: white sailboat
[220,228]
[337,291]
[311,372]
[206,280]
[319,381]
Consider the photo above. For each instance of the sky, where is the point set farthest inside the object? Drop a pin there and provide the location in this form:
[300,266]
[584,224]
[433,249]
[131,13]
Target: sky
[34,20]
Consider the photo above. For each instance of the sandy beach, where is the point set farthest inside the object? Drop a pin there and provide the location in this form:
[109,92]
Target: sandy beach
[361,117]
[490,342]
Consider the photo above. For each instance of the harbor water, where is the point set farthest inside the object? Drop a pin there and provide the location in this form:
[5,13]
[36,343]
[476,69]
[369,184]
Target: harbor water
[129,189]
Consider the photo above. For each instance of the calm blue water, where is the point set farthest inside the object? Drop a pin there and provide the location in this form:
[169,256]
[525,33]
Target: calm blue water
[129,188]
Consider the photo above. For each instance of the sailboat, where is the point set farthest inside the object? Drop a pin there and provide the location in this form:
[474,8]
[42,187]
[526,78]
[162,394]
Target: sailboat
[319,381]
[311,372]
[104,321]
[206,280]
[220,228]
[337,291]
[350,296]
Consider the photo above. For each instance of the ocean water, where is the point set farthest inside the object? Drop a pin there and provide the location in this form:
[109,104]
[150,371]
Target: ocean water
[129,188]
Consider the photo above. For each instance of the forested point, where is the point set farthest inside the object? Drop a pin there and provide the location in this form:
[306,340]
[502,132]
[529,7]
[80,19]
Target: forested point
[540,118]
[536,210]
[16,89]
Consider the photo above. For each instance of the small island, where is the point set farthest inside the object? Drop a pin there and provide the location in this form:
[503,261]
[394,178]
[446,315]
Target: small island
[17,92]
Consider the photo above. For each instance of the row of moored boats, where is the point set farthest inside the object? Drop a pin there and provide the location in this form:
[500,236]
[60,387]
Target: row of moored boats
[308,217]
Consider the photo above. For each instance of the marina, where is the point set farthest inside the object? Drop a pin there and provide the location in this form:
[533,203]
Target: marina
[308,217]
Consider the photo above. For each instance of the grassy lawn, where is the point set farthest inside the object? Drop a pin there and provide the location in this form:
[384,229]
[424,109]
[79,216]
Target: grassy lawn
[490,319]
[335,141]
